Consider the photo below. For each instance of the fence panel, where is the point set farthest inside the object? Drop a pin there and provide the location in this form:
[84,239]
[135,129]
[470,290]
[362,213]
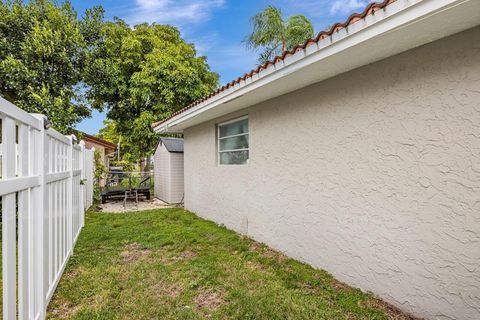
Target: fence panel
[46,183]
[89,176]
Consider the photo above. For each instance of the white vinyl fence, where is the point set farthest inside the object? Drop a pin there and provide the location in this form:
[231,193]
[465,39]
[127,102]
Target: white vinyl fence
[46,184]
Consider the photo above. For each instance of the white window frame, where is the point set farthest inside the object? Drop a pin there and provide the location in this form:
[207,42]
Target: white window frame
[219,125]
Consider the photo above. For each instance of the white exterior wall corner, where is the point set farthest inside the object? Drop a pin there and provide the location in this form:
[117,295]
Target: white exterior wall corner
[373,175]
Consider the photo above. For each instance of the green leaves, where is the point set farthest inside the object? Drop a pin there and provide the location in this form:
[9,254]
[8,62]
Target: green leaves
[141,75]
[272,35]
[298,29]
[268,28]
[42,47]
[54,63]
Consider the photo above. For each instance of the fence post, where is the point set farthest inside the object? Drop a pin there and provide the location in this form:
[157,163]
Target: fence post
[9,246]
[82,186]
[91,183]
[38,220]
[72,139]
[24,217]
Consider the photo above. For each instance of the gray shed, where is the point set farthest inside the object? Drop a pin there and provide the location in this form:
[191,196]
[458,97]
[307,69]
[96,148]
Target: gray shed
[168,167]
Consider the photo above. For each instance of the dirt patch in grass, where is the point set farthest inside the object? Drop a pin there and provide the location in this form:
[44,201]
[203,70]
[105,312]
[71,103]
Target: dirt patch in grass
[74,273]
[65,310]
[257,266]
[340,286]
[133,252]
[209,299]
[187,255]
[164,289]
[168,258]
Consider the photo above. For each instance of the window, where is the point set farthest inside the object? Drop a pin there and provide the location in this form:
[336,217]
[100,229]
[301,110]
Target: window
[233,141]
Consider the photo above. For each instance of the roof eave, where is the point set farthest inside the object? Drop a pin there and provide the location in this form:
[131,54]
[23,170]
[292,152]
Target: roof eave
[400,26]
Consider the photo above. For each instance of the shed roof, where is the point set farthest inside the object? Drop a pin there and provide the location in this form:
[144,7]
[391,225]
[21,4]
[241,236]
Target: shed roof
[173,144]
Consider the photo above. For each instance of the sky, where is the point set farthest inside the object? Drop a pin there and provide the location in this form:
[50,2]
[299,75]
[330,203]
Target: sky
[216,27]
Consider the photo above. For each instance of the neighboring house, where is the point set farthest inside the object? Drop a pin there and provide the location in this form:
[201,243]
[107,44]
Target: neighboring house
[358,152]
[168,170]
[105,148]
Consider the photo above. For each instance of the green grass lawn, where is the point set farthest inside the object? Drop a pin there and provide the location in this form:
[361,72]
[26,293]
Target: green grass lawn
[170,264]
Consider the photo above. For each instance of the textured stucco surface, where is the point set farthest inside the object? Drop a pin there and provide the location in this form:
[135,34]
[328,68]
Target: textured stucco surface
[373,175]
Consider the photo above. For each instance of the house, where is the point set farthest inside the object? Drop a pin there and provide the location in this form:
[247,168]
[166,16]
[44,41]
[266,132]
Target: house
[168,170]
[357,152]
[105,148]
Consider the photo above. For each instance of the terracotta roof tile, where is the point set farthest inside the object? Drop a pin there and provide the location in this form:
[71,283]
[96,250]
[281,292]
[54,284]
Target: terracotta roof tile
[369,10]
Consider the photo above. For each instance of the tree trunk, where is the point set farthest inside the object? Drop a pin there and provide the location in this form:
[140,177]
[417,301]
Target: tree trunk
[142,162]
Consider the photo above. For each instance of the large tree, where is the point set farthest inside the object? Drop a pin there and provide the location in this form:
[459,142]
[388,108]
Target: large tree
[127,153]
[273,35]
[143,74]
[42,50]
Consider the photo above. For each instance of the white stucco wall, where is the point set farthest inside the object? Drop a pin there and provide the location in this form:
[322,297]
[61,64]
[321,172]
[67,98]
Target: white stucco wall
[373,175]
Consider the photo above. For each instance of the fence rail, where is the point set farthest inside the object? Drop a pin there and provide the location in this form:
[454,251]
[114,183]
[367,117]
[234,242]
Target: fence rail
[46,184]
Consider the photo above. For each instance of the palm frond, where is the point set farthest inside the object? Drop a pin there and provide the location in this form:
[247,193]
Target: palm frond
[270,52]
[272,35]
[268,27]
